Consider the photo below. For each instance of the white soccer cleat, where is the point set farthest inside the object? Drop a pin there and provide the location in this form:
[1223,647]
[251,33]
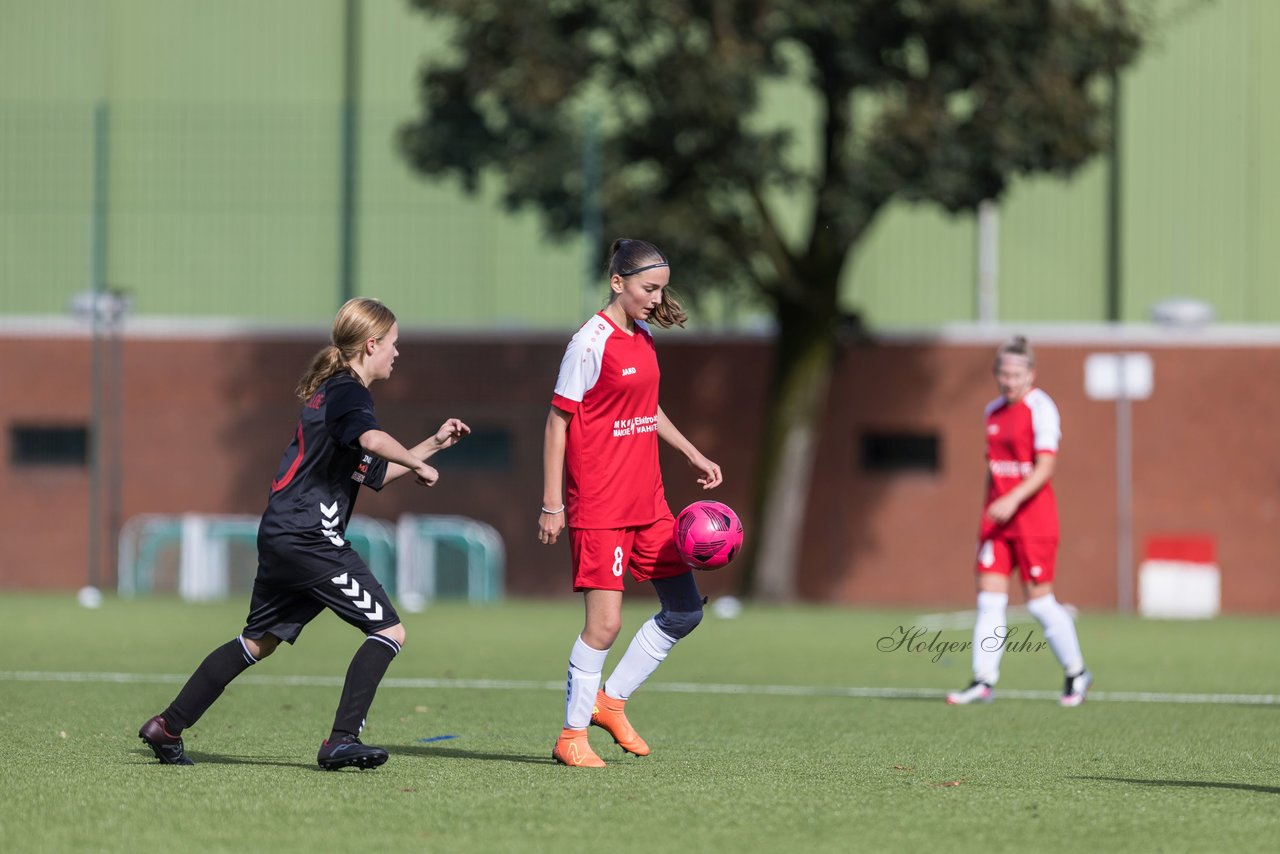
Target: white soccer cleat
[1073,693]
[977,692]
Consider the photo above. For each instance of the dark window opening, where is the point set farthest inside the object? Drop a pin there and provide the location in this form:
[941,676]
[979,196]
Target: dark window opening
[486,449]
[899,452]
[42,445]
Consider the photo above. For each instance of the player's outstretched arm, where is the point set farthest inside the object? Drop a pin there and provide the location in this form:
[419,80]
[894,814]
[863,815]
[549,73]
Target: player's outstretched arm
[711,476]
[450,433]
[400,460]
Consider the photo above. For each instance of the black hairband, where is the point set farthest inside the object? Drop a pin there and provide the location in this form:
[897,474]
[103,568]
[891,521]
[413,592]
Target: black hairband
[642,269]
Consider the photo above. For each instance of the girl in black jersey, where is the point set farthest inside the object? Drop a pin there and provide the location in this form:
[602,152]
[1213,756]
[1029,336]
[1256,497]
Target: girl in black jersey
[305,563]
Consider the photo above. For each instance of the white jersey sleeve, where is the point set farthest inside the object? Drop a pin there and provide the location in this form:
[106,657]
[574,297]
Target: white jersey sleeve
[1045,421]
[580,367]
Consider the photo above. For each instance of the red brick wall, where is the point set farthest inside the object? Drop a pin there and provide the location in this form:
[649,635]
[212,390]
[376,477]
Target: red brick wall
[205,421]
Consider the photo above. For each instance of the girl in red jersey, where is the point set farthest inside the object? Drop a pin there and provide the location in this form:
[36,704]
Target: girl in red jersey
[1020,528]
[601,443]
[305,563]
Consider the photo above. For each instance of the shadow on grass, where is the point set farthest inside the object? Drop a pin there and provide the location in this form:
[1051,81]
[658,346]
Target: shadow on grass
[454,753]
[223,759]
[400,750]
[1189,784]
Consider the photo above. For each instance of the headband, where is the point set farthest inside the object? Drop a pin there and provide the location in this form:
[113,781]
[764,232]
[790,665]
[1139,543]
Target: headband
[642,269]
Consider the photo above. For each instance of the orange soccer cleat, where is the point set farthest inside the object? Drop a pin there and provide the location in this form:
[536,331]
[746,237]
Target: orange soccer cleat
[573,749]
[609,716]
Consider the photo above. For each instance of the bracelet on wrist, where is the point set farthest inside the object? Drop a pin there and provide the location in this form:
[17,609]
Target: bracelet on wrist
[559,509]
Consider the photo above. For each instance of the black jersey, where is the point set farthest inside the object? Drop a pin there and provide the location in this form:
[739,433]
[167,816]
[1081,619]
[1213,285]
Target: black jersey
[320,474]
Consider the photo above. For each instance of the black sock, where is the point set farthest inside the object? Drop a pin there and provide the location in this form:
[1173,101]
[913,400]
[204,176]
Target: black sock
[206,685]
[368,666]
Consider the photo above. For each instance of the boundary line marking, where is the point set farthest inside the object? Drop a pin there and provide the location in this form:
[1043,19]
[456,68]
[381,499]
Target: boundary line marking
[1014,615]
[660,687]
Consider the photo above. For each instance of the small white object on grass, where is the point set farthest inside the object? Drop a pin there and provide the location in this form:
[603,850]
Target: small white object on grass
[411,602]
[89,597]
[726,607]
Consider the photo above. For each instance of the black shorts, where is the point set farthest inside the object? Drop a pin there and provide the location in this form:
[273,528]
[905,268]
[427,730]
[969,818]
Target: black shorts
[354,595]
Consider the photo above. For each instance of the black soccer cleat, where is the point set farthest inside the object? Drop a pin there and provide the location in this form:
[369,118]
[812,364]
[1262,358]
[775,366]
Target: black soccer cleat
[347,752]
[166,747]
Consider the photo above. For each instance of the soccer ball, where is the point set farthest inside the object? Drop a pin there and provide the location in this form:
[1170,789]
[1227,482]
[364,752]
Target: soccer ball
[708,534]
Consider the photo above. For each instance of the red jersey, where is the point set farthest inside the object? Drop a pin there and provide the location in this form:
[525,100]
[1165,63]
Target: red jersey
[1016,432]
[609,383]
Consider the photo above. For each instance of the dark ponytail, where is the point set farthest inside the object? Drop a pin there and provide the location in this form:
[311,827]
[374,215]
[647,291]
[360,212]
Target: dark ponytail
[629,257]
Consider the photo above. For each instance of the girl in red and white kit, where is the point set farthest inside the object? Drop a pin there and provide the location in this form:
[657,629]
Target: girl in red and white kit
[1020,528]
[601,479]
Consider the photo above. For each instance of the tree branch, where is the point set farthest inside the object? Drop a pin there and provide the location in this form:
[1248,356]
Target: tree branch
[833,182]
[784,261]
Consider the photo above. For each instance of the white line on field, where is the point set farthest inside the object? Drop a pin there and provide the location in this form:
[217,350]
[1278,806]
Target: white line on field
[1015,615]
[663,687]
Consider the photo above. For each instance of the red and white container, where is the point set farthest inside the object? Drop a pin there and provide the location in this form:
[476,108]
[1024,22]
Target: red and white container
[1179,578]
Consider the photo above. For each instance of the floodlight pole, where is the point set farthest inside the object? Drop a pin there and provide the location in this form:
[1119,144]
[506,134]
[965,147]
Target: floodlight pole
[97,291]
[987,307]
[592,218]
[1124,499]
[349,187]
[1122,378]
[1115,211]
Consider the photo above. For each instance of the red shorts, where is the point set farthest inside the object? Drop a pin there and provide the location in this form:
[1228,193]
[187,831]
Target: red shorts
[1034,558]
[600,555]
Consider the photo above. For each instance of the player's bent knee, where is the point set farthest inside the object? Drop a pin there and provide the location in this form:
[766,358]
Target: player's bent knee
[601,638]
[992,582]
[601,634]
[678,624]
[395,633]
[606,627]
[261,647]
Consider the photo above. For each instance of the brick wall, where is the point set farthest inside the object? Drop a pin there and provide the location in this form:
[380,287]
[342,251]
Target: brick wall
[205,421]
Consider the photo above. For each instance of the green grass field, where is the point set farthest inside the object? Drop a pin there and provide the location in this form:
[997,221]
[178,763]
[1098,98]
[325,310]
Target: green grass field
[780,747]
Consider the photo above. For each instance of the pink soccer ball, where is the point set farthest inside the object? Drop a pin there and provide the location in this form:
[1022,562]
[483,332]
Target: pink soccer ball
[708,534]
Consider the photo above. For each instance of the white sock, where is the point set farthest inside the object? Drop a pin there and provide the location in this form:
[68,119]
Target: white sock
[585,665]
[648,649]
[989,632]
[1059,631]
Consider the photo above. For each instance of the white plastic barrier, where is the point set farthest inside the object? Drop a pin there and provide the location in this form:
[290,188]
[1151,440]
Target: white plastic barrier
[1179,579]
[447,556]
[211,551]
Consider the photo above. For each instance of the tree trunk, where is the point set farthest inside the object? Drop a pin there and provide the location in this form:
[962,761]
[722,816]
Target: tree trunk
[803,358]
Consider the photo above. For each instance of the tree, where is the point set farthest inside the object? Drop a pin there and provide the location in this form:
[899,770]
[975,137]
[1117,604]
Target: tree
[925,100]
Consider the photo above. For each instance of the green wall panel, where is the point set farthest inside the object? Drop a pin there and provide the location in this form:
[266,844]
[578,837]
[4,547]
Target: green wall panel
[46,150]
[46,204]
[438,256]
[1053,248]
[1186,165]
[238,51]
[1263,132]
[225,180]
[913,268]
[53,50]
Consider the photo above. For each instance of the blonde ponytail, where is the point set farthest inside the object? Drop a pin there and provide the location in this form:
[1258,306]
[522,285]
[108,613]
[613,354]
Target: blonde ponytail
[358,320]
[324,364]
